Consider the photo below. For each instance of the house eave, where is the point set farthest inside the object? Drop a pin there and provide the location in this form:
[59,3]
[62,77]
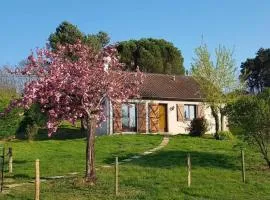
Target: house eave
[172,99]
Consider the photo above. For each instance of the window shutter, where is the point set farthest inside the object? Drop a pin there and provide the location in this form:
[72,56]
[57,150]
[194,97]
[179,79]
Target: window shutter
[180,113]
[141,112]
[154,117]
[200,111]
[117,118]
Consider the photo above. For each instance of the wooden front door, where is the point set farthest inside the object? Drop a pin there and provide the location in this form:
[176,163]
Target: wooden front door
[162,117]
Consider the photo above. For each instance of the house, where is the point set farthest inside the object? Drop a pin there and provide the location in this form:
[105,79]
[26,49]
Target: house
[168,103]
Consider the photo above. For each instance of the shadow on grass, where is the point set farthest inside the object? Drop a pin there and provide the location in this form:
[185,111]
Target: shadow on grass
[111,159]
[61,134]
[19,161]
[18,176]
[190,196]
[176,158]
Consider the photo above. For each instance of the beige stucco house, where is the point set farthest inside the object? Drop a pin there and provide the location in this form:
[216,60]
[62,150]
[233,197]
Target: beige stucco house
[167,104]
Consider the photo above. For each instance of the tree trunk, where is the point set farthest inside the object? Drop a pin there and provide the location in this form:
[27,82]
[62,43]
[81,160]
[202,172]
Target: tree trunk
[268,162]
[215,115]
[90,175]
[263,147]
[222,122]
[222,118]
[266,158]
[83,125]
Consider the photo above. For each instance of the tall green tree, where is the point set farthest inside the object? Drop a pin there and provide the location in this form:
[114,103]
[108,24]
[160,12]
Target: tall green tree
[152,56]
[251,114]
[97,41]
[217,80]
[67,33]
[256,71]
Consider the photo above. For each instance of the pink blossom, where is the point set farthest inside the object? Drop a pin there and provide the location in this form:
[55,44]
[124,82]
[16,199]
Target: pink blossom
[68,89]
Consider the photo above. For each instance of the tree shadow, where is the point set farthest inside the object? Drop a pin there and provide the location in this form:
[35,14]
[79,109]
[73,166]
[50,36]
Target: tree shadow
[191,196]
[19,161]
[171,159]
[63,133]
[111,158]
[18,176]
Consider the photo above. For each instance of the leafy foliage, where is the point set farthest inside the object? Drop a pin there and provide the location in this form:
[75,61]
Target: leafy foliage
[67,33]
[252,115]
[151,55]
[217,81]
[32,121]
[225,135]
[256,71]
[198,127]
[10,122]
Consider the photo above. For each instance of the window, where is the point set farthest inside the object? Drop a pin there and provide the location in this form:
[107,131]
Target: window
[190,112]
[129,117]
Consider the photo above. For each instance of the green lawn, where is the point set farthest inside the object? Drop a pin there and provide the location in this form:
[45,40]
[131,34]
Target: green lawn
[216,170]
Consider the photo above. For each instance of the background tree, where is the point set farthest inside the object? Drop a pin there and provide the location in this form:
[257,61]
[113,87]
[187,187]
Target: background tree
[251,114]
[10,122]
[67,33]
[68,89]
[217,80]
[97,41]
[256,71]
[152,55]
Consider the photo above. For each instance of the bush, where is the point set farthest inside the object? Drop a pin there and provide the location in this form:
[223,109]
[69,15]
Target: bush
[9,123]
[251,113]
[31,131]
[198,127]
[225,135]
[33,119]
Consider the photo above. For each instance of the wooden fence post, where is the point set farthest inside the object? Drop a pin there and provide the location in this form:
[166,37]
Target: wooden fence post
[10,160]
[243,166]
[2,170]
[189,169]
[116,176]
[37,182]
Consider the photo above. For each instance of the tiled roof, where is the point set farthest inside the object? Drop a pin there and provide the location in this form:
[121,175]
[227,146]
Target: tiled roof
[169,87]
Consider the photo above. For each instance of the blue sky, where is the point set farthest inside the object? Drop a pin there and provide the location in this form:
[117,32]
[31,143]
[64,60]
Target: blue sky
[242,24]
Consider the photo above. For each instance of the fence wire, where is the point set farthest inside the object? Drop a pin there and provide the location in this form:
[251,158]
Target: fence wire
[14,81]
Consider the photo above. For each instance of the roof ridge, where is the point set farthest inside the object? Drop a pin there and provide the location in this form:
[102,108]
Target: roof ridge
[179,75]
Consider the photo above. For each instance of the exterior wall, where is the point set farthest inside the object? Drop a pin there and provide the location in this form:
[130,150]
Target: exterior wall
[177,127]
[174,126]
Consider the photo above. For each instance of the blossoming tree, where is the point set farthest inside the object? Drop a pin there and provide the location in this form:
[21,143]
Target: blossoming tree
[74,87]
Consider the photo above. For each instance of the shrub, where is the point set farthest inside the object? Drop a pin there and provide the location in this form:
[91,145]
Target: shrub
[225,135]
[9,123]
[251,113]
[33,119]
[31,131]
[198,127]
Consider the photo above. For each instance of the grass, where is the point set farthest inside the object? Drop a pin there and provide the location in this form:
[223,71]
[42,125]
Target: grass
[216,169]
